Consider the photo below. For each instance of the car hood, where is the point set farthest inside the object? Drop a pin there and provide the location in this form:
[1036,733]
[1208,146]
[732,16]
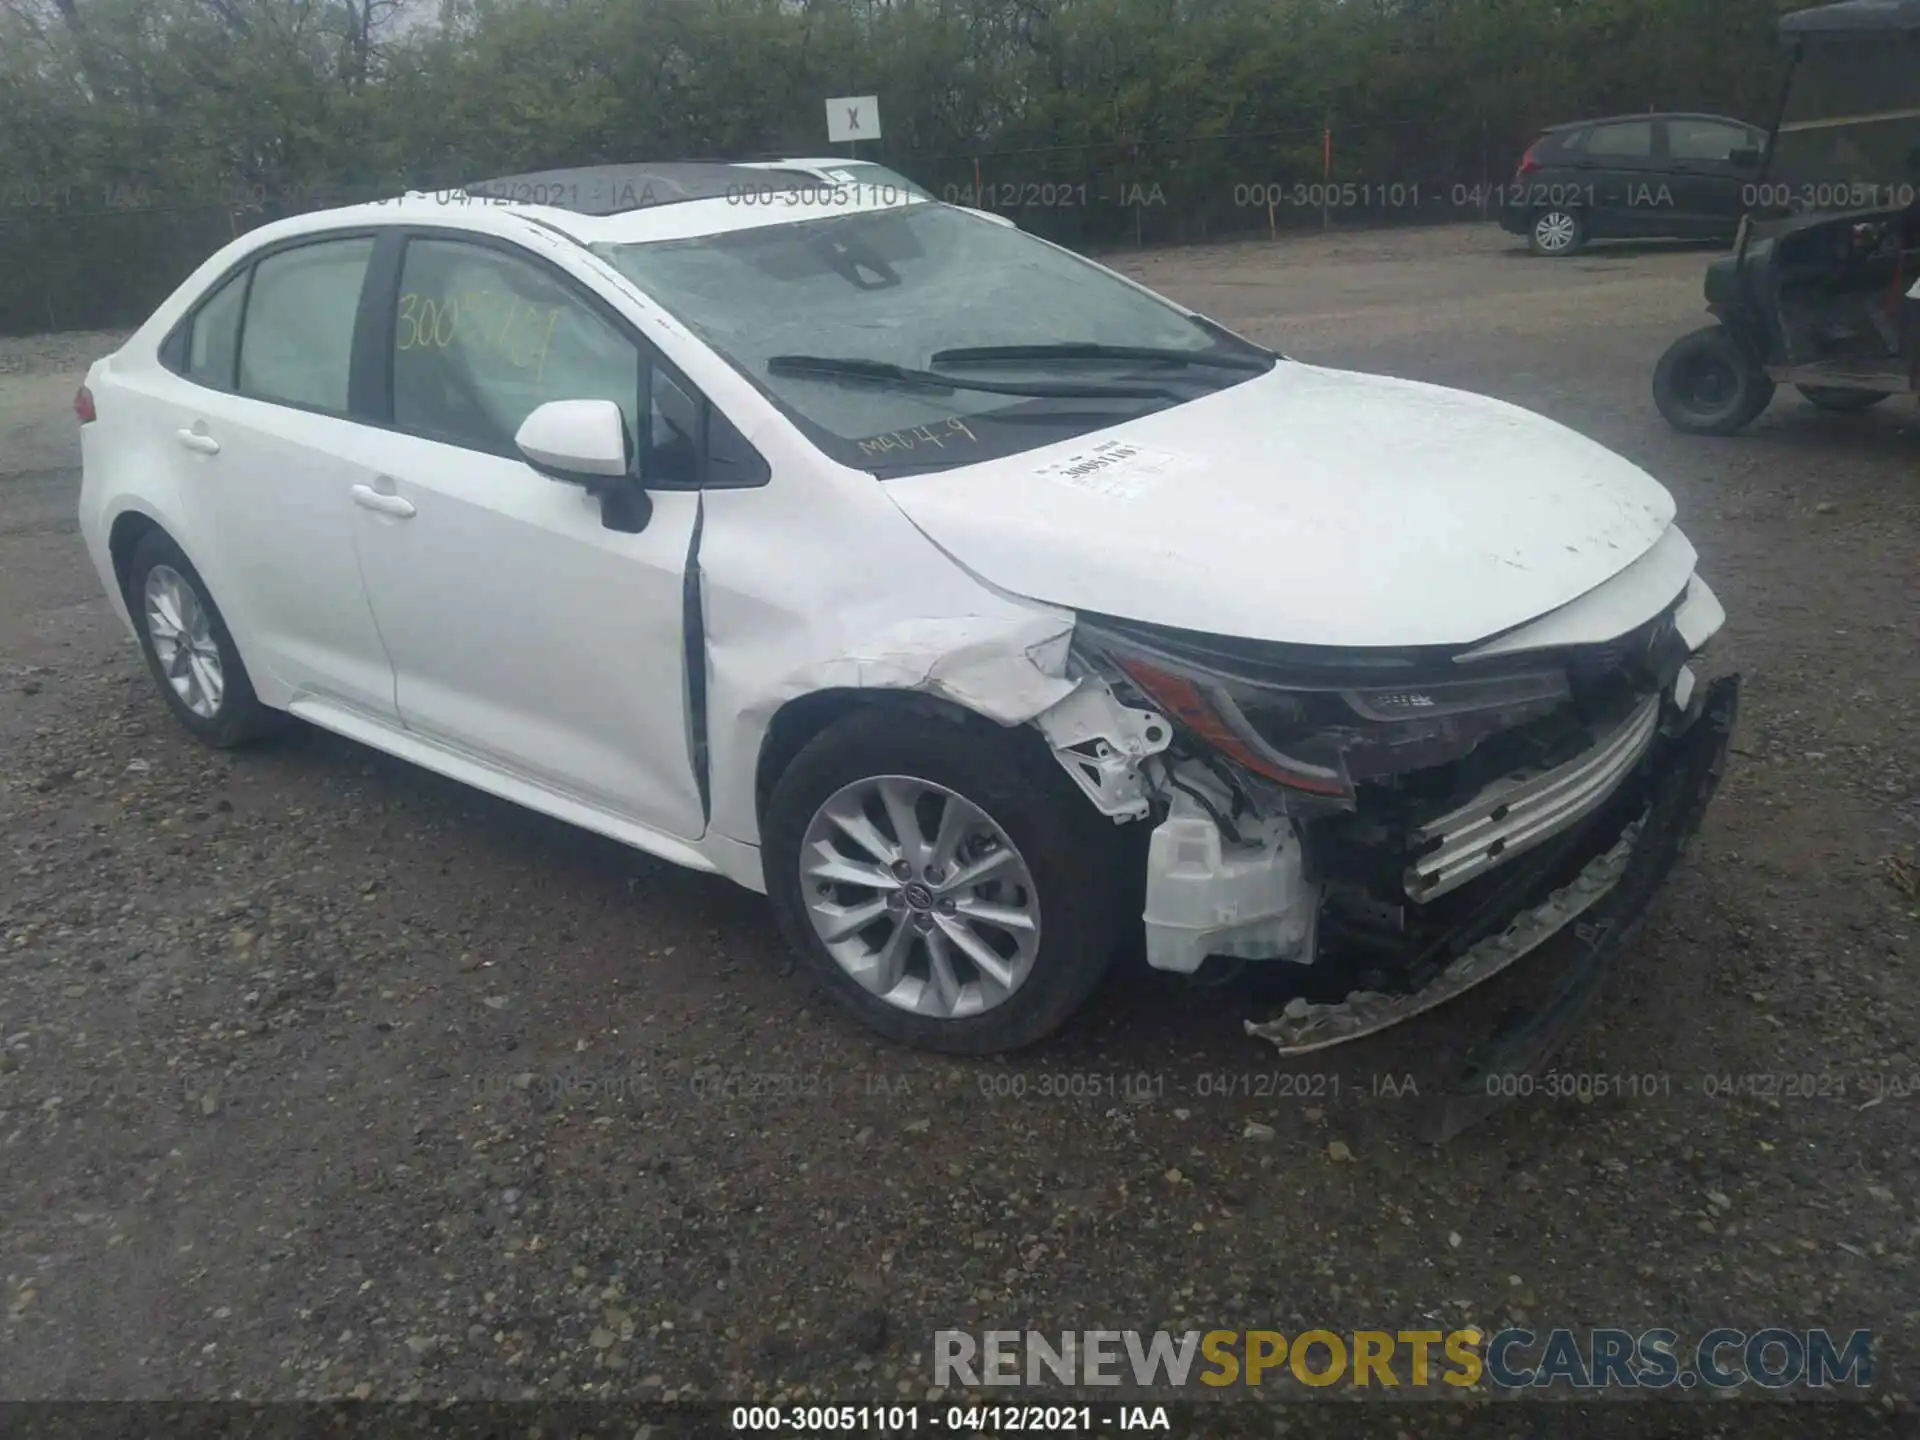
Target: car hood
[1309,506]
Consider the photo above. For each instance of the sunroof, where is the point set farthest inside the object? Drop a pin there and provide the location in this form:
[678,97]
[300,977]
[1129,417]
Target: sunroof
[612,189]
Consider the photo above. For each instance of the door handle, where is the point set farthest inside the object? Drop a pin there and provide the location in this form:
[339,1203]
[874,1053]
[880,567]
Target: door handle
[197,442]
[398,506]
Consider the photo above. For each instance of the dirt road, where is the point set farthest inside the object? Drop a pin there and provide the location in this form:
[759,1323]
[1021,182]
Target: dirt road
[320,1076]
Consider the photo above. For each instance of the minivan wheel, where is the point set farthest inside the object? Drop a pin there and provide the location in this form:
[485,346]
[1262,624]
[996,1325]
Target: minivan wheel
[1708,383]
[1557,232]
[188,648]
[1841,398]
[946,882]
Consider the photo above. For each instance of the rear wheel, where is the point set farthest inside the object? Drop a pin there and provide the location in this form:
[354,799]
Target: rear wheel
[945,881]
[188,648]
[1708,383]
[1557,232]
[1841,398]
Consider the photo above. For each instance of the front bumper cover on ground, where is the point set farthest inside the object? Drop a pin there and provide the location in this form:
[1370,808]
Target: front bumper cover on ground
[1578,930]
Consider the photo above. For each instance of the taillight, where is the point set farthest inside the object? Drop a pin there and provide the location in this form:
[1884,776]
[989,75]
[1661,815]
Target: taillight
[83,406]
[1528,162]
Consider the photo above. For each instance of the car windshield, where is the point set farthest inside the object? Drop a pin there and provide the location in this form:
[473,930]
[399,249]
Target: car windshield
[1849,136]
[897,292]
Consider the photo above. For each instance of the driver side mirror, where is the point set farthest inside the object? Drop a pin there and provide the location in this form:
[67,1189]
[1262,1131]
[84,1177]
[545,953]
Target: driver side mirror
[1744,157]
[586,443]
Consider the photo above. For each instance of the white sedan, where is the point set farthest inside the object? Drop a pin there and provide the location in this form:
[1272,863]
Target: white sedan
[972,601]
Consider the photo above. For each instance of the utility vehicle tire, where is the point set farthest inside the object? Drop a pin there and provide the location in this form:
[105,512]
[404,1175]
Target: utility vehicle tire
[946,881]
[1841,398]
[1708,383]
[189,650]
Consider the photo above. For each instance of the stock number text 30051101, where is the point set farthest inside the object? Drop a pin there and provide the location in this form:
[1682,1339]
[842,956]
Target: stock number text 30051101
[510,328]
[911,1419]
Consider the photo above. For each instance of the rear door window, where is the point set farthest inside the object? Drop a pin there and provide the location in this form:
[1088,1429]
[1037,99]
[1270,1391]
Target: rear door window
[296,346]
[1623,140]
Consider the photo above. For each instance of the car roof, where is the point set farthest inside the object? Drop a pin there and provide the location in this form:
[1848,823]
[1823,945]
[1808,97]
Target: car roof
[695,212]
[616,189]
[810,161]
[1853,17]
[1566,125]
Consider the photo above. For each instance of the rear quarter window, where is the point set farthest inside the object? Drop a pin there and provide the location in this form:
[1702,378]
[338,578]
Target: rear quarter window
[213,335]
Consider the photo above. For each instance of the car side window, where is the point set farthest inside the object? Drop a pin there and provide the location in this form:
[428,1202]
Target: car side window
[482,338]
[296,343]
[214,336]
[1629,140]
[1703,139]
[671,450]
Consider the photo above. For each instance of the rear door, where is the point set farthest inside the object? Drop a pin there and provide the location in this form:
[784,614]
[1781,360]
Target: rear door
[266,456]
[1707,186]
[1621,169]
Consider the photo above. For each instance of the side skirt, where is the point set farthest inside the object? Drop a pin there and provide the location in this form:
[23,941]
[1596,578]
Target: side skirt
[467,770]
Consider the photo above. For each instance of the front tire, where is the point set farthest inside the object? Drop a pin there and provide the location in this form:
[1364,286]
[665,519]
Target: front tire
[1840,398]
[1708,383]
[946,882]
[189,651]
[1557,232]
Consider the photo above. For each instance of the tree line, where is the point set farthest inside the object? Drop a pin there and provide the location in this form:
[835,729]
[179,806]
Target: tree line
[138,135]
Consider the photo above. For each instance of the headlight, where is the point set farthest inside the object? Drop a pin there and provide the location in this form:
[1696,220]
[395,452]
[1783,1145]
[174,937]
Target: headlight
[1320,728]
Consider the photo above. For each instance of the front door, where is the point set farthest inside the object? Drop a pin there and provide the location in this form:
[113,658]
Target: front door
[1708,188]
[525,632]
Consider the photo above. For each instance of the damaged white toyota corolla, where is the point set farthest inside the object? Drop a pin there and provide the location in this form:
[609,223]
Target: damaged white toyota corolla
[972,601]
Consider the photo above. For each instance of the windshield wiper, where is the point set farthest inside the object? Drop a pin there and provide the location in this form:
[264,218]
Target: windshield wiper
[1089,350]
[840,367]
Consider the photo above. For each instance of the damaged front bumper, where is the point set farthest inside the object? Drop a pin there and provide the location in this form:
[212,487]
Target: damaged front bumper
[1586,881]
[1430,854]
[1691,767]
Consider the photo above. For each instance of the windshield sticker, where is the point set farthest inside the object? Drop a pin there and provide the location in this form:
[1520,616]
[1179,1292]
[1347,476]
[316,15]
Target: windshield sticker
[937,436]
[1118,468]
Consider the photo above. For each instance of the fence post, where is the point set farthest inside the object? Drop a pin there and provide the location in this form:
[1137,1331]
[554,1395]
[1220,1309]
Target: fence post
[1485,178]
[1326,175]
[1139,242]
[979,195]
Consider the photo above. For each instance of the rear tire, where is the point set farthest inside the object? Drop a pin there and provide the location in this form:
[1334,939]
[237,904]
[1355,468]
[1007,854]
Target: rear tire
[1708,383]
[189,650]
[1840,398]
[1061,873]
[1557,232]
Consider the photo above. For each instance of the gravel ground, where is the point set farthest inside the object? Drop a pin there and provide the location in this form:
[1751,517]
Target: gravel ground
[320,1076]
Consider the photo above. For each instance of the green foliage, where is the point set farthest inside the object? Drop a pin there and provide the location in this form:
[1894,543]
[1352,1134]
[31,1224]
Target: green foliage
[136,136]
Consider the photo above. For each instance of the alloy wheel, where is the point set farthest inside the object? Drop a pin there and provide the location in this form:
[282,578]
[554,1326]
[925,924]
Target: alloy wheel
[920,896]
[182,634]
[1554,232]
